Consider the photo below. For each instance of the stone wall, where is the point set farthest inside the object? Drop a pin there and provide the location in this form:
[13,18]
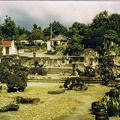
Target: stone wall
[58,70]
[48,62]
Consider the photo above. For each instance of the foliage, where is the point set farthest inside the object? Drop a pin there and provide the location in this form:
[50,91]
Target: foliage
[46,33]
[19,45]
[102,32]
[115,48]
[98,28]
[23,37]
[36,34]
[76,33]
[56,28]
[1,52]
[97,35]
[8,28]
[74,45]
[60,48]
[43,46]
[37,70]
[77,28]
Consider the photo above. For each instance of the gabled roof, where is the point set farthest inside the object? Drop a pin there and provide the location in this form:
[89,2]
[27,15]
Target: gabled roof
[5,43]
[59,38]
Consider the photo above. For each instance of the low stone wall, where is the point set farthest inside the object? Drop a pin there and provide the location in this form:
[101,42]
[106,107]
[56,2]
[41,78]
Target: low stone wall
[58,70]
[29,62]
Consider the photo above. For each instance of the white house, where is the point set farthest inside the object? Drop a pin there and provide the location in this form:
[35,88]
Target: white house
[58,40]
[24,42]
[38,42]
[8,47]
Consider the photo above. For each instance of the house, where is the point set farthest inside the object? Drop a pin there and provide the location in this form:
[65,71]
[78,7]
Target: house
[58,40]
[36,42]
[24,42]
[8,47]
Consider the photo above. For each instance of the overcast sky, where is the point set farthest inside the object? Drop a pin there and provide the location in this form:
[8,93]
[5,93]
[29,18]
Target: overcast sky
[42,13]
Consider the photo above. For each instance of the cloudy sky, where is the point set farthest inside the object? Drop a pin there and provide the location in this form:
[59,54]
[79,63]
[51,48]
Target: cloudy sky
[42,13]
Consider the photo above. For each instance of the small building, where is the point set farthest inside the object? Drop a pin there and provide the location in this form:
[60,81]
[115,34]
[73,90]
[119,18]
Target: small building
[8,47]
[36,42]
[24,42]
[58,40]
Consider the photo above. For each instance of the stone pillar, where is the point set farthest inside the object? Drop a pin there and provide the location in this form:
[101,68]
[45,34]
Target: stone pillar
[74,69]
[34,54]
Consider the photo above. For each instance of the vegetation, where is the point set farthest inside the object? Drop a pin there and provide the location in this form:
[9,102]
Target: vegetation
[0,52]
[98,35]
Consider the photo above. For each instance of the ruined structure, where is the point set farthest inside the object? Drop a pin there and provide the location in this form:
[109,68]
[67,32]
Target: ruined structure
[88,66]
[75,83]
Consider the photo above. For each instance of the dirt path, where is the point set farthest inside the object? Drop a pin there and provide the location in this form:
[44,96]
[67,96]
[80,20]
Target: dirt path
[83,112]
[71,105]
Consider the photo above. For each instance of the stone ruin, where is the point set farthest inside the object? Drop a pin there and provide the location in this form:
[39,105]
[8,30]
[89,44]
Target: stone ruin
[88,66]
[93,69]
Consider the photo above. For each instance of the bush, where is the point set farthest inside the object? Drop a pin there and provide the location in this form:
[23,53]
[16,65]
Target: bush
[37,70]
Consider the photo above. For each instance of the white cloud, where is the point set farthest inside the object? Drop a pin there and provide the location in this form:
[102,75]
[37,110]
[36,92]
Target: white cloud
[62,11]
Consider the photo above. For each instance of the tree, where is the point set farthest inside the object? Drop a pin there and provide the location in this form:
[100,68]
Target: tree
[110,36]
[114,22]
[1,52]
[22,31]
[9,30]
[46,33]
[94,37]
[23,37]
[36,34]
[56,28]
[105,28]
[77,28]
[60,49]
[76,33]
[74,45]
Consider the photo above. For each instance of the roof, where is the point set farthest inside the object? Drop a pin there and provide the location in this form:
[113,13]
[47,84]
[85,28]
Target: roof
[5,43]
[38,41]
[58,38]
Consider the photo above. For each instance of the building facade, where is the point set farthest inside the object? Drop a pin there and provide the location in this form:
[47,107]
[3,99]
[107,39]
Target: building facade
[8,47]
[58,40]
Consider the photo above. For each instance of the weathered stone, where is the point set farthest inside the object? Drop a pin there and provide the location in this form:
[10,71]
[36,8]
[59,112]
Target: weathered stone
[10,107]
[26,100]
[56,91]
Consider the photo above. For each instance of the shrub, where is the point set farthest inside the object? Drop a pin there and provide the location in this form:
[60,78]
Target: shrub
[37,70]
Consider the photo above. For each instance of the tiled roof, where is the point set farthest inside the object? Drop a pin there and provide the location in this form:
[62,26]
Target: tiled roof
[58,38]
[5,43]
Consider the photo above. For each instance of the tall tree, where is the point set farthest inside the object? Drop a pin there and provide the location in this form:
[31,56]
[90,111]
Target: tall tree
[75,45]
[98,28]
[9,30]
[46,33]
[36,34]
[76,33]
[23,37]
[77,28]
[56,28]
[114,22]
